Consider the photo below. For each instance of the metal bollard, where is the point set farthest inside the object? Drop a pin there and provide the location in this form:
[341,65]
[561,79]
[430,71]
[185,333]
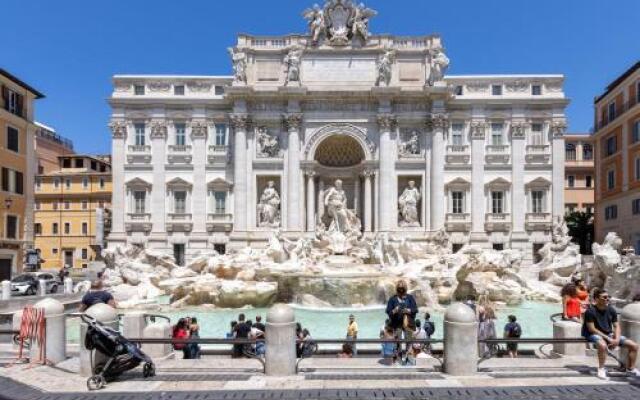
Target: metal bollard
[157,330]
[107,315]
[564,330]
[42,287]
[6,290]
[630,326]
[68,286]
[55,345]
[280,356]
[460,340]
[16,324]
[133,324]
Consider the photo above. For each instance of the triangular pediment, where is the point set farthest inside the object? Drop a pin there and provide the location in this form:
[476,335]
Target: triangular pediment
[498,183]
[539,182]
[219,183]
[458,182]
[139,182]
[179,182]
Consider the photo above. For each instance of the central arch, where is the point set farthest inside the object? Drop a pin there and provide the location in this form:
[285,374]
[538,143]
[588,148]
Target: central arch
[350,132]
[339,151]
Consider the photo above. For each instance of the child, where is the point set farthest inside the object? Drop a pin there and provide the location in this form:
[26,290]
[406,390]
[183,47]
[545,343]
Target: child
[512,330]
[389,349]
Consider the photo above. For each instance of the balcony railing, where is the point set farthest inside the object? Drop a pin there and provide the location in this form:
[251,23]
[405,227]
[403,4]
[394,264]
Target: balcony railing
[219,222]
[538,153]
[218,154]
[538,221]
[458,148]
[458,221]
[538,149]
[139,148]
[458,153]
[138,222]
[179,217]
[141,217]
[180,148]
[497,149]
[626,106]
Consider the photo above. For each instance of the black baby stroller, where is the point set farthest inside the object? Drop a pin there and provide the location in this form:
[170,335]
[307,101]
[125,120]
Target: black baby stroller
[122,354]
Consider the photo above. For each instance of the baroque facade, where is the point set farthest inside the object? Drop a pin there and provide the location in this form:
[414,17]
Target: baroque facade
[202,162]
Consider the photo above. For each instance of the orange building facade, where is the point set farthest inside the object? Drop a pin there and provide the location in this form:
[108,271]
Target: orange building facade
[50,146]
[617,159]
[579,173]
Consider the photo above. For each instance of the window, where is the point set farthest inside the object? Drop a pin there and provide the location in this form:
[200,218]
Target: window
[455,247]
[457,138]
[67,228]
[138,90]
[496,134]
[180,202]
[40,169]
[497,204]
[587,152]
[79,163]
[139,134]
[588,208]
[139,197]
[11,231]
[66,163]
[536,134]
[12,181]
[458,91]
[611,212]
[635,206]
[94,165]
[218,90]
[180,134]
[85,254]
[611,179]
[84,265]
[13,139]
[611,111]
[637,168]
[588,181]
[498,246]
[457,202]
[101,183]
[635,132]
[67,205]
[221,134]
[570,152]
[56,182]
[67,183]
[54,251]
[537,201]
[178,90]
[54,204]
[496,90]
[100,204]
[536,90]
[54,228]
[220,202]
[571,181]
[37,229]
[85,182]
[612,145]
[13,101]
[36,205]
[84,204]
[85,228]
[570,207]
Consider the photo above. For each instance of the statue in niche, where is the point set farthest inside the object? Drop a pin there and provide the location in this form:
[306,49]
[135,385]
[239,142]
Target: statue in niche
[408,203]
[383,68]
[412,146]
[292,62]
[268,145]
[438,66]
[239,61]
[343,220]
[269,207]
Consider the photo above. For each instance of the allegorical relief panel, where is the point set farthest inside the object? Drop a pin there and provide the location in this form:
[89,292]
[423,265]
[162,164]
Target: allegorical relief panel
[409,143]
[267,143]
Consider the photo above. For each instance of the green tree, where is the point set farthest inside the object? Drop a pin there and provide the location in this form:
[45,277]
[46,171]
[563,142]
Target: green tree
[580,226]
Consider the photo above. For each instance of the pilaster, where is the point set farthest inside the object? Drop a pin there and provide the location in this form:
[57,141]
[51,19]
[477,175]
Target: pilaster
[158,192]
[199,149]
[478,131]
[518,202]
[387,190]
[118,206]
[240,121]
[558,129]
[437,122]
[292,122]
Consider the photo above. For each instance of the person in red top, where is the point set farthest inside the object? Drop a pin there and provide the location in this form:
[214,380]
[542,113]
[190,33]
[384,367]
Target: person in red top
[582,293]
[571,305]
[181,331]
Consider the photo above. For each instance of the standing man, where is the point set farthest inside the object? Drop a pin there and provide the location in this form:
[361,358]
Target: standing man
[352,332]
[402,310]
[601,327]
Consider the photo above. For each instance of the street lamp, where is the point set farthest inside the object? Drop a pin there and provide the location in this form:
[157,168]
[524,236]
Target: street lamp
[8,201]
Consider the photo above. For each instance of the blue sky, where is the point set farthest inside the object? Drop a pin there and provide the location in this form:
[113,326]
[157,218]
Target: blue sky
[69,49]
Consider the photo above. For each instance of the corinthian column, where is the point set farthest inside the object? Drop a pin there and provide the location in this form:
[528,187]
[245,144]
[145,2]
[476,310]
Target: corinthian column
[477,182]
[119,138]
[438,123]
[387,190]
[519,201]
[240,186]
[292,123]
[311,201]
[199,141]
[159,159]
[368,200]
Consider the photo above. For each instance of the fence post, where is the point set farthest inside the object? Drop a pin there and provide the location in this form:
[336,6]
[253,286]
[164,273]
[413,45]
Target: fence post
[157,330]
[280,352]
[54,349]
[630,326]
[6,290]
[42,287]
[133,324]
[68,285]
[564,330]
[16,324]
[102,313]
[460,340]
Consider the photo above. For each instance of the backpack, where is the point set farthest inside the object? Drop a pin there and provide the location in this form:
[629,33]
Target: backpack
[429,328]
[516,330]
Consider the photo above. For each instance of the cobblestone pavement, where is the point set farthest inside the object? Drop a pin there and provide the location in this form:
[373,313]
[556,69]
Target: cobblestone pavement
[17,391]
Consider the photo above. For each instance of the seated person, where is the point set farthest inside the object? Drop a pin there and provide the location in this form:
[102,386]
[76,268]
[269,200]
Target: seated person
[347,351]
[601,327]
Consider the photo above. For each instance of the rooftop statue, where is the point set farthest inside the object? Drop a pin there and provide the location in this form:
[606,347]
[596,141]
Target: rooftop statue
[339,21]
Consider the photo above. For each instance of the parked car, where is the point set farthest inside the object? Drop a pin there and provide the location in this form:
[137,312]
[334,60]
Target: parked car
[27,284]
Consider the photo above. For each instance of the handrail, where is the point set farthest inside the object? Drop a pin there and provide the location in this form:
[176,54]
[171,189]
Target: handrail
[533,340]
[152,317]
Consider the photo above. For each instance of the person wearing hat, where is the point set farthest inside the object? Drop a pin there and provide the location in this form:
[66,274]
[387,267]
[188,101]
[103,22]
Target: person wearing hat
[352,332]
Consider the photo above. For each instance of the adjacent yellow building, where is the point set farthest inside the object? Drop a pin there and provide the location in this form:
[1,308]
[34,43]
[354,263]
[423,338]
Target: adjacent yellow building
[17,167]
[72,208]
[579,173]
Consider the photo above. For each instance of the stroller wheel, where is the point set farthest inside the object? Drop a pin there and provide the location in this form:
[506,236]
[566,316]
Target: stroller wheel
[96,382]
[148,370]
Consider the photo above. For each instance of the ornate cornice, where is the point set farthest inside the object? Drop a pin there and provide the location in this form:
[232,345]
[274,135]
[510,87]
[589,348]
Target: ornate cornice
[478,129]
[518,130]
[292,121]
[558,128]
[386,121]
[158,130]
[437,121]
[198,130]
[159,86]
[240,121]
[118,129]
